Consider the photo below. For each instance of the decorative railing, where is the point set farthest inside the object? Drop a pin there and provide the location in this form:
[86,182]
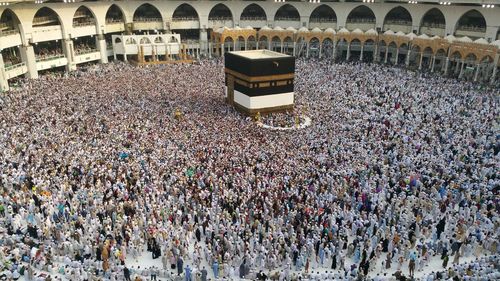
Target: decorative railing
[8,32]
[111,21]
[185,19]
[471,28]
[14,66]
[323,20]
[48,57]
[286,19]
[253,18]
[360,20]
[433,25]
[398,22]
[85,51]
[148,20]
[83,23]
[44,19]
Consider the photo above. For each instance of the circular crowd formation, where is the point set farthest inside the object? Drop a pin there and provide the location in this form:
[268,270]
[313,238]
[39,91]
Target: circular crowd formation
[102,179]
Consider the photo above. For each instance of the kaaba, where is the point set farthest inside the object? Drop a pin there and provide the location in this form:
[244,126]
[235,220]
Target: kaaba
[259,81]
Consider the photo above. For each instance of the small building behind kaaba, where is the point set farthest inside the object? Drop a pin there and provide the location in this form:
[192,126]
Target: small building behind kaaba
[259,81]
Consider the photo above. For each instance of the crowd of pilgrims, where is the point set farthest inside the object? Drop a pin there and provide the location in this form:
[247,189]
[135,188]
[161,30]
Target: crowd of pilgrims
[397,177]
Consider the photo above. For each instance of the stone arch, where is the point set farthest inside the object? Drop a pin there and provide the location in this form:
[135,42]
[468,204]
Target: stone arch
[130,41]
[240,43]
[220,11]
[253,12]
[45,16]
[114,14]
[159,40]
[472,20]
[398,16]
[276,44]
[228,43]
[361,13]
[145,40]
[9,20]
[251,43]
[83,16]
[263,42]
[118,40]
[433,17]
[287,12]
[288,45]
[147,12]
[470,58]
[185,12]
[323,13]
[173,39]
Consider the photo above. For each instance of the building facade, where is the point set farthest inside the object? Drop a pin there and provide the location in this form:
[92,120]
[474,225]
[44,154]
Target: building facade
[458,39]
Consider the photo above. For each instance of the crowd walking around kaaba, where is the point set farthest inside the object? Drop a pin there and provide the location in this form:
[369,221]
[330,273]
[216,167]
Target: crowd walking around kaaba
[395,179]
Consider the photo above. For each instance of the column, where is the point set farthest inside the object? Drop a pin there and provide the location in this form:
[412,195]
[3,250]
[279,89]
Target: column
[320,49]
[334,51]
[386,53]
[28,56]
[269,44]
[294,45]
[234,45]
[396,59]
[204,41]
[222,49]
[477,72]
[101,46]
[348,51]
[307,50]
[433,63]
[246,44]
[282,47]
[446,63]
[375,53]
[461,69]
[69,54]
[494,75]
[495,66]
[421,59]
[362,48]
[408,54]
[4,83]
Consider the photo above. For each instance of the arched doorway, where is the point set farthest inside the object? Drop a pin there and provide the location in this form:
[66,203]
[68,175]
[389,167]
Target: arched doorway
[185,12]
[361,17]
[288,45]
[263,43]
[368,49]
[253,15]
[433,23]
[228,44]
[314,45]
[83,17]
[114,15]
[251,43]
[240,44]
[327,48]
[9,23]
[276,44]
[220,15]
[45,17]
[147,13]
[287,15]
[398,19]
[323,17]
[472,24]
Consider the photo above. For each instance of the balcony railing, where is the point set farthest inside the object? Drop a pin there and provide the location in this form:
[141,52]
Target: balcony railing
[8,32]
[185,19]
[48,57]
[148,20]
[83,23]
[111,21]
[323,20]
[433,25]
[14,66]
[44,19]
[287,19]
[85,51]
[360,20]
[398,22]
[471,28]
[253,18]
[220,18]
